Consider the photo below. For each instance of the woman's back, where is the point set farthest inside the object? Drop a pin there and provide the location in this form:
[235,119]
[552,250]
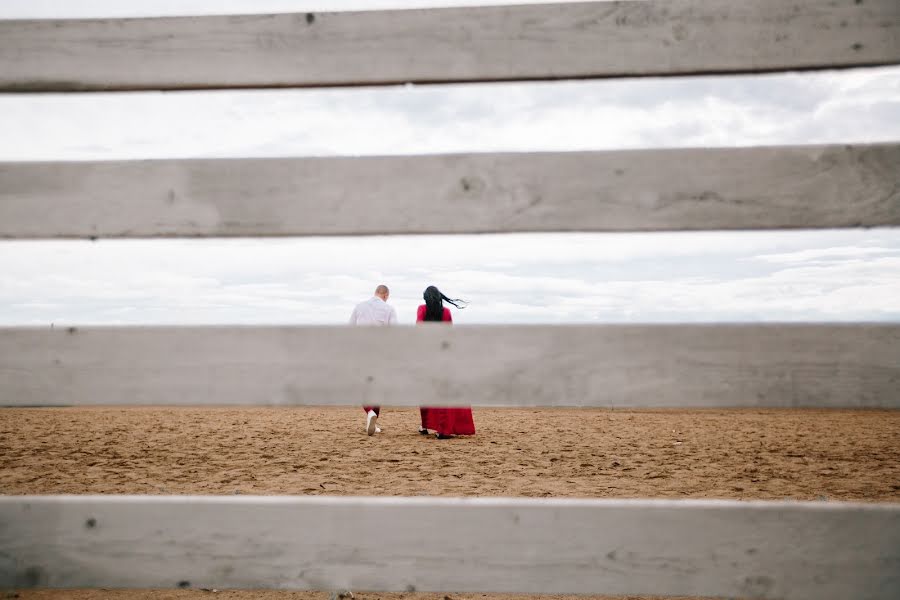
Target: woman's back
[420,314]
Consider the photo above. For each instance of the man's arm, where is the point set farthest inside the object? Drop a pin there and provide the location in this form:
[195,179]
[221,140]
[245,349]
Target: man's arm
[353,317]
[392,318]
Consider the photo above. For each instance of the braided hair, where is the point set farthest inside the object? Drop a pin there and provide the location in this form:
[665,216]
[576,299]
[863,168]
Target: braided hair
[434,303]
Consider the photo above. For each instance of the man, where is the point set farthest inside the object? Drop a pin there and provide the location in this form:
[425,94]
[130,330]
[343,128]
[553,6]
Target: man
[374,312]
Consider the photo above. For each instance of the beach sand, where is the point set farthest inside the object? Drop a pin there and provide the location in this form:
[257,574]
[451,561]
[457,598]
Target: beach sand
[589,453]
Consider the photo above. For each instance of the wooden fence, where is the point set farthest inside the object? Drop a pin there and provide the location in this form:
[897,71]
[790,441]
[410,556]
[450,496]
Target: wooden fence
[620,366]
[507,43]
[632,190]
[714,548]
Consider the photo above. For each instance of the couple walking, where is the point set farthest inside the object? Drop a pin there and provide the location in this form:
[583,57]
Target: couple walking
[444,422]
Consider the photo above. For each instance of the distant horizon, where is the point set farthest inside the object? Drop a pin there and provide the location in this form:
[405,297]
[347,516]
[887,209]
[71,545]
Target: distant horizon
[788,276]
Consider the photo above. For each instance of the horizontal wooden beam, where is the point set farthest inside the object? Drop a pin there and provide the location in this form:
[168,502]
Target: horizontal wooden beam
[773,365]
[499,43]
[678,189]
[783,550]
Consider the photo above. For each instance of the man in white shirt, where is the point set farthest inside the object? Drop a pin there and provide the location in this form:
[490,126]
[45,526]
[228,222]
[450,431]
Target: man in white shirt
[374,312]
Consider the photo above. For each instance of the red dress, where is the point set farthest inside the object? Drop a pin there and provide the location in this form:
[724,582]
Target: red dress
[446,421]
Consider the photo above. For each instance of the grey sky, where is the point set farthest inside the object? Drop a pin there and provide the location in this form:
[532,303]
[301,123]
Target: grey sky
[831,275]
[831,107]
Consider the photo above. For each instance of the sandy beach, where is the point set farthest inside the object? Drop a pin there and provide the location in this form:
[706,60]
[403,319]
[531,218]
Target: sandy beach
[592,453]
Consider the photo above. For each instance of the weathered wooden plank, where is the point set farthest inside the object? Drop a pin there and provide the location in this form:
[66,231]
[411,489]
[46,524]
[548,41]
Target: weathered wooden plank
[573,40]
[734,188]
[780,365]
[783,550]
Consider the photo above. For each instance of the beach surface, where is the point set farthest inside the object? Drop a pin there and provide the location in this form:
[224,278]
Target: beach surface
[820,455]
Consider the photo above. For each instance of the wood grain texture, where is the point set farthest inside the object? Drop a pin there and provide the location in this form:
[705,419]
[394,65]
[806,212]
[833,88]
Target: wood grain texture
[776,365]
[732,188]
[783,550]
[574,40]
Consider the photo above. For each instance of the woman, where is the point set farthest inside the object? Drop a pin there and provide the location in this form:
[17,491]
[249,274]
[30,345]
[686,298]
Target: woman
[445,422]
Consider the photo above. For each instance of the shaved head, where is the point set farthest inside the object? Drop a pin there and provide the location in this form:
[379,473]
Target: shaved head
[382,292]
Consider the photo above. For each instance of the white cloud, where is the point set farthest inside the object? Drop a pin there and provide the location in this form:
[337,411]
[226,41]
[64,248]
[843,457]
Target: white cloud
[550,278]
[681,112]
[813,254]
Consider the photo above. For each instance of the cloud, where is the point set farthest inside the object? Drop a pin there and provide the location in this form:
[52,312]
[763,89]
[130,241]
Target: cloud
[584,115]
[816,254]
[523,278]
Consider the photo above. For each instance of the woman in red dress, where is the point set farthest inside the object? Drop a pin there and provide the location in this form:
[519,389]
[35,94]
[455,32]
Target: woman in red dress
[445,422]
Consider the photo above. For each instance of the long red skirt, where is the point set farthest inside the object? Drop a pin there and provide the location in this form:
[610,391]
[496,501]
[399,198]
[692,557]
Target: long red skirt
[448,421]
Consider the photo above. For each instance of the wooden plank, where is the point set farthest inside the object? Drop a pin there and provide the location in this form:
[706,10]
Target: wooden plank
[554,41]
[773,365]
[783,550]
[733,188]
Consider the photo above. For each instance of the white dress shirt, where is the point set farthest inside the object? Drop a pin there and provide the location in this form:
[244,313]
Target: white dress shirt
[374,311]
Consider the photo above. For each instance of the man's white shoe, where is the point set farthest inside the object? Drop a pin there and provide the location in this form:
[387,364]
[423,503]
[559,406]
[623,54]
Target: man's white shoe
[371,422]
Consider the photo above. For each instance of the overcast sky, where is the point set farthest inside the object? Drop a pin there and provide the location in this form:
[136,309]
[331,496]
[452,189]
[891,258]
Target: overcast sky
[759,276]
